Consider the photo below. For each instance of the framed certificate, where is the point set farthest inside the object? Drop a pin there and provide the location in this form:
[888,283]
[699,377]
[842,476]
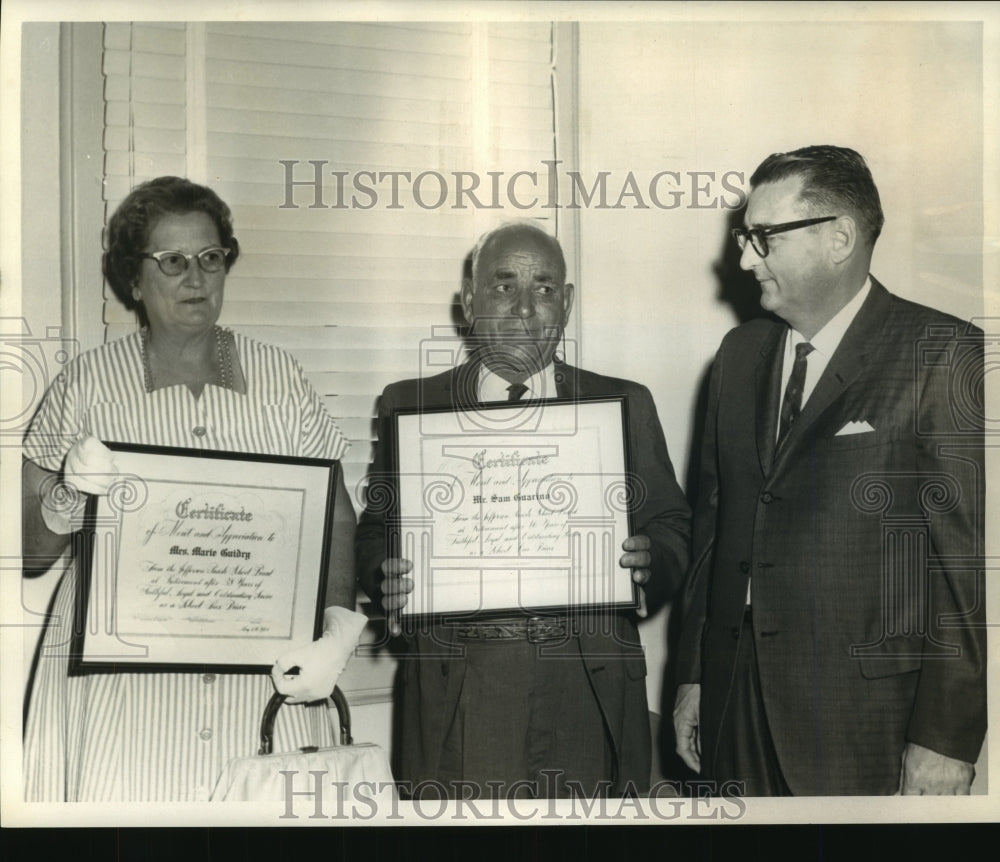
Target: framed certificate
[518,507]
[201,558]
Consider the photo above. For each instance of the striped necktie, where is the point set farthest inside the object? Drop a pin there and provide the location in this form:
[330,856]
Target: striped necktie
[791,406]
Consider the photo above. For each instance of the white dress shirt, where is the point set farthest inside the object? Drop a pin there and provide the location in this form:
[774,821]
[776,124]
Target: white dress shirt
[493,387]
[825,343]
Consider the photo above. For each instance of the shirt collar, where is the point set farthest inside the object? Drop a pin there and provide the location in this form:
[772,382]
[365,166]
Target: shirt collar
[493,387]
[829,337]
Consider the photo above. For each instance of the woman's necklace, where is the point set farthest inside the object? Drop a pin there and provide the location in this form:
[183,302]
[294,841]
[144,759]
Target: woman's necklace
[223,358]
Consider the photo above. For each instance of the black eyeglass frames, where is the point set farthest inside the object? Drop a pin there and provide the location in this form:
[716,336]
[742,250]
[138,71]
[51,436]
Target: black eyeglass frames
[758,235]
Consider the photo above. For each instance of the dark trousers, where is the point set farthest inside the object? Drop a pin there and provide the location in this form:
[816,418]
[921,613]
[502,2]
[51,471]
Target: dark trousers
[745,751]
[528,725]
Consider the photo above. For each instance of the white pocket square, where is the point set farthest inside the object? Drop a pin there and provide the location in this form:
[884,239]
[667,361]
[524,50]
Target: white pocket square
[854,428]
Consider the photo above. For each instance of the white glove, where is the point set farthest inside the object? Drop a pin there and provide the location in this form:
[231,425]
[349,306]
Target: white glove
[89,468]
[320,663]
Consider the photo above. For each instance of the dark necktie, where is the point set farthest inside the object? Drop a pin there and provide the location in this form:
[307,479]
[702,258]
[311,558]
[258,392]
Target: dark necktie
[792,403]
[515,391]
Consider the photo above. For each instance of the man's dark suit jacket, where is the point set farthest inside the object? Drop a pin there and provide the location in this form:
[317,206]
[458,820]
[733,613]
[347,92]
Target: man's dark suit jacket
[433,673]
[861,644]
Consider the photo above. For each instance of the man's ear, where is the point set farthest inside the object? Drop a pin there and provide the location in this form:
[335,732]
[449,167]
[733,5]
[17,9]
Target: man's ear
[467,289]
[568,292]
[844,238]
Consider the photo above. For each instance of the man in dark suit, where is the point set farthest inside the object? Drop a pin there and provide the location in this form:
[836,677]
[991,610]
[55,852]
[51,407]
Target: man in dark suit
[543,705]
[832,639]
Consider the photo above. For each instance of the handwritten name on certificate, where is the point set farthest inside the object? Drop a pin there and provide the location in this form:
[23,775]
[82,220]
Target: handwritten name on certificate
[505,518]
[209,561]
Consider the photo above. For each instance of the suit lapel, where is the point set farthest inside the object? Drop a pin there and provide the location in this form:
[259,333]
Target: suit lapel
[461,387]
[767,395]
[567,378]
[848,361]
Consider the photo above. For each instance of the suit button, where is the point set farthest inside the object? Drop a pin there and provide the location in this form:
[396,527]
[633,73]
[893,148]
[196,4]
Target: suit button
[735,632]
[766,497]
[744,567]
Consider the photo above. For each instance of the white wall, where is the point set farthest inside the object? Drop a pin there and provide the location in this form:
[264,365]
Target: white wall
[60,282]
[716,97]
[41,308]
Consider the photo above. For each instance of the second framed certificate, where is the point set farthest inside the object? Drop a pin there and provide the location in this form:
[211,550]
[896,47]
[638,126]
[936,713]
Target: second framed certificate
[212,559]
[515,508]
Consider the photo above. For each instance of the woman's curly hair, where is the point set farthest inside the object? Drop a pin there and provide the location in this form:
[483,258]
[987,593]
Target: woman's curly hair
[129,228]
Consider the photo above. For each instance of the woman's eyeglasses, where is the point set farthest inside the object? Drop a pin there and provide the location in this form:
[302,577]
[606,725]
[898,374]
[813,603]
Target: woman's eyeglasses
[176,262]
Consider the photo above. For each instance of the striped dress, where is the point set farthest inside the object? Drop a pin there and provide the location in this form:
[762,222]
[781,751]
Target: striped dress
[160,736]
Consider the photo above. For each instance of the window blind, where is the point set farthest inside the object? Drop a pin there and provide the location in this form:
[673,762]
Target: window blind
[355,290]
[144,105]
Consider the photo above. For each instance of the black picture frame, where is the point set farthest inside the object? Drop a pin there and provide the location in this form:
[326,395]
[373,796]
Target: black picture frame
[538,569]
[202,560]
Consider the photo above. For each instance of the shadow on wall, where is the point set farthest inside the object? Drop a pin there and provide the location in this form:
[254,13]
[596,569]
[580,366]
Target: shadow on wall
[739,290]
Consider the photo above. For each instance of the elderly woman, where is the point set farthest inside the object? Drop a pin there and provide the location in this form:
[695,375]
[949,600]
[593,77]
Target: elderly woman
[181,380]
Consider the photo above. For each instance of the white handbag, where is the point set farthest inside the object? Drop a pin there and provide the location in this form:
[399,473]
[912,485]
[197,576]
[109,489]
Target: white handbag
[268,777]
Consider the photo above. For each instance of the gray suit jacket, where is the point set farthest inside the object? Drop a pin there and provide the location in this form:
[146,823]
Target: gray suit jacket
[432,675]
[865,550]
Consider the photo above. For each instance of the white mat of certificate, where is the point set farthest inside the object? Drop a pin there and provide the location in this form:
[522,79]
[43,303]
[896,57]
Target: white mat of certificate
[206,559]
[515,508]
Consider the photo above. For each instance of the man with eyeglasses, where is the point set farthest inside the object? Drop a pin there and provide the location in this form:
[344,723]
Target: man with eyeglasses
[833,618]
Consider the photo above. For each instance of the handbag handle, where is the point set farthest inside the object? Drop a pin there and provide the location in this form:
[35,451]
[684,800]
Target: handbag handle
[271,713]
